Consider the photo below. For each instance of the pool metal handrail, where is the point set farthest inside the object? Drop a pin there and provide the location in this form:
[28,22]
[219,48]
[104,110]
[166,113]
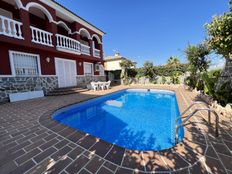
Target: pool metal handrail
[183,123]
[193,104]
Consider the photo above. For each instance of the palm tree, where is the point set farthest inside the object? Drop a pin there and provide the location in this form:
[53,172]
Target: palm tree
[173,62]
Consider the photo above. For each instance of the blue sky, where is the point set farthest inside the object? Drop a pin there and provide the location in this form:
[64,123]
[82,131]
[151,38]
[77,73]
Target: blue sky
[150,30]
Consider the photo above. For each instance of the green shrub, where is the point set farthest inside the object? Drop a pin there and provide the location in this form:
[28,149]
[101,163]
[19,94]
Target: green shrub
[164,80]
[190,81]
[224,94]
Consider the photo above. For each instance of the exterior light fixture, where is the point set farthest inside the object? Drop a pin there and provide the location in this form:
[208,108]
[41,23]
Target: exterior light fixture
[48,59]
[80,64]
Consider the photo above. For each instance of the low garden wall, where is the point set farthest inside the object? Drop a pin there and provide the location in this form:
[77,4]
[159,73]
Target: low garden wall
[24,84]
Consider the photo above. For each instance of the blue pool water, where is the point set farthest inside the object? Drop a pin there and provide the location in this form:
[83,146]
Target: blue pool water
[135,119]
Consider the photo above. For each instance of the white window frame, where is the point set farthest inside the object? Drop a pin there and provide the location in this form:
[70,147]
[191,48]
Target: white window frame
[85,63]
[13,72]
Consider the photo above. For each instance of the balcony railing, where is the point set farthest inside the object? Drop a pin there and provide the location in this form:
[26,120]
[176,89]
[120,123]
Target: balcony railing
[96,53]
[65,43]
[10,27]
[85,49]
[41,37]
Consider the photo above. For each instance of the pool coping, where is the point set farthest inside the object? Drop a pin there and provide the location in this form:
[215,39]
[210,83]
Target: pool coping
[151,161]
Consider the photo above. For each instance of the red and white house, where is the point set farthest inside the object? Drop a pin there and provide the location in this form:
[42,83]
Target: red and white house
[44,46]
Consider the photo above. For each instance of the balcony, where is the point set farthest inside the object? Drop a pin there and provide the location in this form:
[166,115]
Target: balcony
[10,28]
[96,53]
[41,37]
[85,49]
[67,44]
[14,29]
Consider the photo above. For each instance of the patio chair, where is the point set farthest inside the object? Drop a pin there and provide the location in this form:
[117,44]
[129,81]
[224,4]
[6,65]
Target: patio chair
[94,86]
[102,85]
[107,84]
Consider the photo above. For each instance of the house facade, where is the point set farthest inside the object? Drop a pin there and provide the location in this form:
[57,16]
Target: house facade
[44,46]
[112,67]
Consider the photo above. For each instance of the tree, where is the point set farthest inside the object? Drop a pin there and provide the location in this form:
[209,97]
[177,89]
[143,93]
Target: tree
[148,70]
[220,41]
[220,34]
[197,56]
[173,62]
[126,65]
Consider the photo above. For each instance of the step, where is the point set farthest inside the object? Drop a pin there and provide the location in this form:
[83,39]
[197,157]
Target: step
[66,91]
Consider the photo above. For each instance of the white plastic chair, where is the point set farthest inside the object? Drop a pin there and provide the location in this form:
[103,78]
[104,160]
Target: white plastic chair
[102,85]
[94,86]
[107,84]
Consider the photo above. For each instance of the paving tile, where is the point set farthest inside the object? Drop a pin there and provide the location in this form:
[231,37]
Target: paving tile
[58,128]
[23,168]
[174,161]
[44,154]
[8,139]
[101,148]
[110,166]
[49,137]
[221,148]
[75,137]
[34,145]
[84,171]
[104,170]
[61,153]
[59,166]
[123,171]
[214,166]
[94,164]
[66,132]
[27,156]
[77,164]
[183,171]
[8,167]
[40,168]
[87,142]
[153,162]
[49,144]
[227,161]
[211,153]
[115,155]
[229,145]
[20,146]
[133,160]
[61,144]
[39,137]
[75,152]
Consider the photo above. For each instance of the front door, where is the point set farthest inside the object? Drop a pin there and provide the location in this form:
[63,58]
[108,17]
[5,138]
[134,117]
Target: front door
[66,72]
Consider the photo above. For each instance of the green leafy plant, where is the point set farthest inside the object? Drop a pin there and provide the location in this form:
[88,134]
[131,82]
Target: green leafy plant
[164,80]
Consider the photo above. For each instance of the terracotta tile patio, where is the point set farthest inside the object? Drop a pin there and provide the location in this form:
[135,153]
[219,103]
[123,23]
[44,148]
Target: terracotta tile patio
[31,142]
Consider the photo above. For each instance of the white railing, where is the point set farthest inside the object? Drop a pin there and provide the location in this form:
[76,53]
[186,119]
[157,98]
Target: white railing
[96,53]
[10,27]
[85,49]
[66,43]
[41,37]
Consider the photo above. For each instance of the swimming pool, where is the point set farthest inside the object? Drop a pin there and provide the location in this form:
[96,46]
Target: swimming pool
[136,119]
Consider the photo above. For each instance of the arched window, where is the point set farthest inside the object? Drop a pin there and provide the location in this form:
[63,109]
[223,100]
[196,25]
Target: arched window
[39,15]
[63,29]
[84,36]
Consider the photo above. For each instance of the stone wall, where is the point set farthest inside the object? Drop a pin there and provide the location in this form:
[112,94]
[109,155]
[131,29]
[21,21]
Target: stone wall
[83,81]
[226,75]
[23,84]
